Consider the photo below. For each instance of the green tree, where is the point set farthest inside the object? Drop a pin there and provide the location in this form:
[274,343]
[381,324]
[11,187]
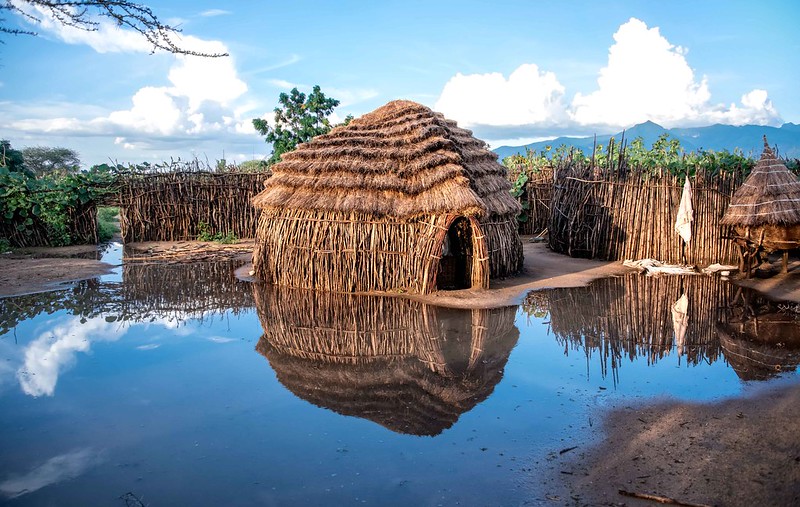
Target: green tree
[44,160]
[297,120]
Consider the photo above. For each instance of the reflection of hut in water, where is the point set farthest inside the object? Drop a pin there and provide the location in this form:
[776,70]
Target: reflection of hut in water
[758,339]
[765,211]
[409,367]
[196,289]
[634,316]
[400,198]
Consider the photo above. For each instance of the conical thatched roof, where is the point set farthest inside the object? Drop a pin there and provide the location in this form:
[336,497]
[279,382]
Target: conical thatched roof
[769,196]
[402,160]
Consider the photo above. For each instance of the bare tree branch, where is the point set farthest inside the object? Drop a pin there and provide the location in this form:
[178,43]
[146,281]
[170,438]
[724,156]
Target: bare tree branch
[82,14]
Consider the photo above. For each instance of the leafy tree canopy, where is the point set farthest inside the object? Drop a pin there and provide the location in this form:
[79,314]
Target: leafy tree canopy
[297,120]
[53,161]
[84,15]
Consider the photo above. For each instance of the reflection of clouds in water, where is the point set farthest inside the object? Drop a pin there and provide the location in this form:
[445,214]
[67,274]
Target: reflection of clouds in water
[56,469]
[55,350]
[221,339]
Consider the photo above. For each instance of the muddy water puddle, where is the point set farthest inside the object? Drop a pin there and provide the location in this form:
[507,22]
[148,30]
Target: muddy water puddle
[181,385]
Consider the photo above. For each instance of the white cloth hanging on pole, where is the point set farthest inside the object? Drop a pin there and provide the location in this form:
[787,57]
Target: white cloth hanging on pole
[683,223]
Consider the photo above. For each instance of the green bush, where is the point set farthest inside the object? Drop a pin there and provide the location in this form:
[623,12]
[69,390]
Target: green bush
[107,213]
[107,223]
[205,234]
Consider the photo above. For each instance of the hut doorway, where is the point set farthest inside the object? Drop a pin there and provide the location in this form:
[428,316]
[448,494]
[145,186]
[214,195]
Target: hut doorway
[455,266]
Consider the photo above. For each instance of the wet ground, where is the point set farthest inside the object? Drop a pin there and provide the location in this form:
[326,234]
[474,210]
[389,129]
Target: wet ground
[182,385]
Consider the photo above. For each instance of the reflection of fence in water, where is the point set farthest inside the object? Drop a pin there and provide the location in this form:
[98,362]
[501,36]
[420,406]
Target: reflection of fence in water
[632,317]
[149,291]
[176,290]
[85,299]
[409,367]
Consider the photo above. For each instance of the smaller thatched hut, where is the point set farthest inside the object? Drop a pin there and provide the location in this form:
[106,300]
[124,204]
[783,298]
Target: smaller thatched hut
[409,367]
[764,213]
[400,199]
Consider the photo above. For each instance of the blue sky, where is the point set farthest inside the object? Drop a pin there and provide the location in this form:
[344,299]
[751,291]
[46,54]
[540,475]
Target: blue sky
[512,71]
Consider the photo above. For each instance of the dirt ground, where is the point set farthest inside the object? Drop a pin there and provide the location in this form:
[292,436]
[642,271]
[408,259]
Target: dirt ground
[702,454]
[738,452]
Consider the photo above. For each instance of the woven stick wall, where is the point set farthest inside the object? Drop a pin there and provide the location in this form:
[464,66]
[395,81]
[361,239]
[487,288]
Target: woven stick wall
[623,216]
[170,206]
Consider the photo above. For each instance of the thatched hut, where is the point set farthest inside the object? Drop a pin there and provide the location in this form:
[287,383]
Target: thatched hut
[409,367]
[398,199]
[764,212]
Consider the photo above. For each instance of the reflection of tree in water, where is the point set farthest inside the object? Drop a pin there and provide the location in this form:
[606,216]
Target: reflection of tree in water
[148,292]
[632,316]
[409,367]
[760,338]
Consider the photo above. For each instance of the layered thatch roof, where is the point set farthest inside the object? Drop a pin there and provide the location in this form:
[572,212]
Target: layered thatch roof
[769,196]
[401,160]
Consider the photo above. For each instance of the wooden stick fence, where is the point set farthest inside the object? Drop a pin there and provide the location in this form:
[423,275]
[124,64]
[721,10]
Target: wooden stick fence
[621,215]
[172,206]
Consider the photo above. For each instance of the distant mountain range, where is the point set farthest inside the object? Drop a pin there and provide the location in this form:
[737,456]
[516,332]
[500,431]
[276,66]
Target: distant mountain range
[748,138]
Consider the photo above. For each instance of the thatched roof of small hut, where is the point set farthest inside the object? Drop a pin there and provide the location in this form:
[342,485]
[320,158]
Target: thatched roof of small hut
[402,160]
[761,348]
[769,196]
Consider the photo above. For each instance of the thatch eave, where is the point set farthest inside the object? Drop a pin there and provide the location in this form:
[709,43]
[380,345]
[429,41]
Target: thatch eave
[769,196]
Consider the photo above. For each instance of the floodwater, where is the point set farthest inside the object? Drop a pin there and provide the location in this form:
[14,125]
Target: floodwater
[180,385]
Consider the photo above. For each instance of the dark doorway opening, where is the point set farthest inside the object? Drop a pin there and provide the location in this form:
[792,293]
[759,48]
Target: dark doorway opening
[455,267]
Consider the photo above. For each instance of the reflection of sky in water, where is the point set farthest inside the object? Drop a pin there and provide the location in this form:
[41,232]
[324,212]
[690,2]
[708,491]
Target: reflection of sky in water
[54,470]
[186,412]
[112,254]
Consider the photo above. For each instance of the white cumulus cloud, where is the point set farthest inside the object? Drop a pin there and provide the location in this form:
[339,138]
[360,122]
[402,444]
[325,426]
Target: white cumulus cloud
[527,96]
[645,78]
